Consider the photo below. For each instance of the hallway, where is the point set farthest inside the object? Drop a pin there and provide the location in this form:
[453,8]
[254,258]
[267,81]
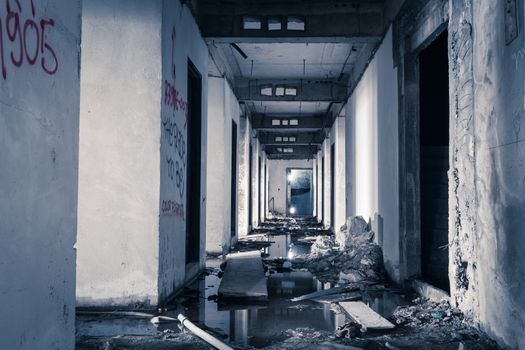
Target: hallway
[222,160]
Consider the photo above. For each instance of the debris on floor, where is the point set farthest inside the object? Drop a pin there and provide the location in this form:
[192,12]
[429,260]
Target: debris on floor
[351,255]
[309,275]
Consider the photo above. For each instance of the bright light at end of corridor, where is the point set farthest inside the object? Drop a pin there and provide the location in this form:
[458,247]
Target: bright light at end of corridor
[292,210]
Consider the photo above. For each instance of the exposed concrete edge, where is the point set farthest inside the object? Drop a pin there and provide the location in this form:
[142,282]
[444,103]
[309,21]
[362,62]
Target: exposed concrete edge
[428,291]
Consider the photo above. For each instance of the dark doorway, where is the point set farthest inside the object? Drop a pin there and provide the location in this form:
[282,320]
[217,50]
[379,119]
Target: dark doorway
[332,186]
[259,190]
[322,190]
[193,172]
[250,188]
[434,161]
[299,196]
[233,218]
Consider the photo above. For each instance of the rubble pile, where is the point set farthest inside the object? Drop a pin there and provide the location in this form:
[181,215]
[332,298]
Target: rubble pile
[351,255]
[427,312]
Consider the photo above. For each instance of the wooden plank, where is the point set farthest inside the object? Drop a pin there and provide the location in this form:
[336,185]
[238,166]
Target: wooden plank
[244,277]
[365,316]
[322,293]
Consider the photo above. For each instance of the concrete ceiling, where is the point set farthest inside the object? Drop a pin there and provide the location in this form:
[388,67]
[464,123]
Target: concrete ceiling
[292,60]
[337,42]
[294,108]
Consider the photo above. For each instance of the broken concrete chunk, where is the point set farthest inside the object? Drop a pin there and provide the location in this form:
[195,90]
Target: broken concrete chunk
[354,231]
[352,275]
[365,316]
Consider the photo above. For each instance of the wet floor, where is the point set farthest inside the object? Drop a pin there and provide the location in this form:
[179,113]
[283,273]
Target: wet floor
[247,324]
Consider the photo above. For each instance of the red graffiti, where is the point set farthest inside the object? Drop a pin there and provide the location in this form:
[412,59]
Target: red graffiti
[27,38]
[172,98]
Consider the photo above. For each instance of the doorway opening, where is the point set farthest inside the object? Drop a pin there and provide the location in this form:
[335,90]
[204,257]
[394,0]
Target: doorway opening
[332,186]
[233,216]
[193,172]
[434,161]
[299,195]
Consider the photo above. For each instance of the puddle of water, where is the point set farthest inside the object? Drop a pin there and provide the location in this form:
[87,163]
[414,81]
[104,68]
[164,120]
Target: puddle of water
[286,247]
[250,324]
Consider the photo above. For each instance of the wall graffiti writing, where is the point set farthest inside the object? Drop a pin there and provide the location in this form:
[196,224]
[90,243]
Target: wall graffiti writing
[170,207]
[172,98]
[23,38]
[174,139]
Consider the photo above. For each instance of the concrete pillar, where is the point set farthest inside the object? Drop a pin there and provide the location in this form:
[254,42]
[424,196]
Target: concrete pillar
[327,183]
[39,115]
[133,150]
[338,138]
[223,108]
[244,173]
[255,182]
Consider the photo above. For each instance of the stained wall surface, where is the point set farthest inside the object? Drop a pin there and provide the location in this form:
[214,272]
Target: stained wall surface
[487,200]
[39,116]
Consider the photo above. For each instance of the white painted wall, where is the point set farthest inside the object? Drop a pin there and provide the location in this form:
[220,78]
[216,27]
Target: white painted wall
[314,185]
[327,181]
[256,152]
[245,131]
[119,153]
[131,245]
[337,137]
[319,192]
[223,107]
[277,182]
[372,151]
[38,174]
[181,41]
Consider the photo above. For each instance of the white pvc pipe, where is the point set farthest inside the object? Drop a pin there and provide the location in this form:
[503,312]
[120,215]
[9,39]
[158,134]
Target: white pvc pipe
[216,343]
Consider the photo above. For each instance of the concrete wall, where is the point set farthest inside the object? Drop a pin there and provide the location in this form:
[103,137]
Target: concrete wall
[337,137]
[245,132]
[372,152]
[256,200]
[319,190]
[119,157]
[131,238]
[487,196]
[327,182]
[223,107]
[181,41]
[38,199]
[277,181]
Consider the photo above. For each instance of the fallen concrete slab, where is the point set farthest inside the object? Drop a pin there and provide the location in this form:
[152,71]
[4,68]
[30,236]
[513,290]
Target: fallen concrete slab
[365,316]
[430,292]
[244,277]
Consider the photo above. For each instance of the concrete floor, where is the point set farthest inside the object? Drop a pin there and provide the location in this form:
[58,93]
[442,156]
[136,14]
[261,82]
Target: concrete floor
[277,323]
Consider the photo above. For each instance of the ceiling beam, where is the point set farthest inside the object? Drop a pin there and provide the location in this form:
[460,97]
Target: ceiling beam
[297,151]
[329,19]
[308,90]
[268,122]
[301,138]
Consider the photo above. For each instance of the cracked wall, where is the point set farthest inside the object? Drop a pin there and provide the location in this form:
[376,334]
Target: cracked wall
[487,201]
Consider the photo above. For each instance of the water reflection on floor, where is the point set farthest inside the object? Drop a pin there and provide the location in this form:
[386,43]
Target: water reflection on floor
[248,324]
